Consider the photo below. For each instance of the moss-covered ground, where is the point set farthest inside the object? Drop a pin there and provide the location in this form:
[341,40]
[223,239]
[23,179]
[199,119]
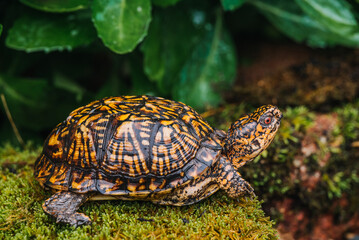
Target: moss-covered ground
[218,217]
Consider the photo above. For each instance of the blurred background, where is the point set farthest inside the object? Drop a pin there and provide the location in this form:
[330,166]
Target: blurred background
[223,58]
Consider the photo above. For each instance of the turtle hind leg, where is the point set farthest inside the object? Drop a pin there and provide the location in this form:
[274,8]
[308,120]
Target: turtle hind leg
[64,205]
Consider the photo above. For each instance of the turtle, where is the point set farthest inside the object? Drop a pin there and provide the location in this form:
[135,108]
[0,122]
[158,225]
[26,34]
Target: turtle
[146,148]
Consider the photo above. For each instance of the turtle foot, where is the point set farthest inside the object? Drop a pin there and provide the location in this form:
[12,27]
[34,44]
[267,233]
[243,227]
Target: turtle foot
[75,220]
[63,207]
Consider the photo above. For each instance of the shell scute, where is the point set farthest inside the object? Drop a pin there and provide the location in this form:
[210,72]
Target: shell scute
[44,170]
[172,147]
[60,177]
[83,180]
[128,150]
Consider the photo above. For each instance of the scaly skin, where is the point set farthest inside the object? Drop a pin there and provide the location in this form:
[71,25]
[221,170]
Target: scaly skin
[231,181]
[64,205]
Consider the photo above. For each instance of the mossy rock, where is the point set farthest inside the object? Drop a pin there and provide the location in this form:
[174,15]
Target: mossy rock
[218,217]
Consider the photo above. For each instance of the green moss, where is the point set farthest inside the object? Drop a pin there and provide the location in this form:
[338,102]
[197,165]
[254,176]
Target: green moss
[21,215]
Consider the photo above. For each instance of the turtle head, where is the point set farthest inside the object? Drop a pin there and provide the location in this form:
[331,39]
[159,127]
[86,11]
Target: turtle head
[251,134]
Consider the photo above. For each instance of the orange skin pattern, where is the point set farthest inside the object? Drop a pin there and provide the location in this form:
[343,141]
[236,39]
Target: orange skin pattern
[146,148]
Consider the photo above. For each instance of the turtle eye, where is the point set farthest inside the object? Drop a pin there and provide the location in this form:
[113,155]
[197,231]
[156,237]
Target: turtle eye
[267,120]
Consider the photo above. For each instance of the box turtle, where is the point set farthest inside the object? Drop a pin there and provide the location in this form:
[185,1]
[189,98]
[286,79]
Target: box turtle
[146,148]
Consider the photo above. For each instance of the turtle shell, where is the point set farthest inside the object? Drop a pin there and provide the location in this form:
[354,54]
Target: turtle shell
[120,145]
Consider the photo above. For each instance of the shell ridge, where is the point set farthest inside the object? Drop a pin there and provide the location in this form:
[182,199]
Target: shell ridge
[99,147]
[139,147]
[152,141]
[111,127]
[67,140]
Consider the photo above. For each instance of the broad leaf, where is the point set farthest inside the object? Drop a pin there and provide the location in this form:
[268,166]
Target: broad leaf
[230,5]
[335,15]
[121,24]
[154,60]
[62,82]
[165,3]
[109,88]
[24,103]
[18,89]
[209,71]
[291,20]
[114,84]
[57,5]
[34,103]
[49,32]
[141,85]
[173,34]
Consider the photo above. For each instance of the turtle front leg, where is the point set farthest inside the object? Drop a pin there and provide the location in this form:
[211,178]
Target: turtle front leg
[231,181]
[63,206]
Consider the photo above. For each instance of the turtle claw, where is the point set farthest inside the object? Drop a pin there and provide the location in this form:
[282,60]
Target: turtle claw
[75,220]
[251,196]
[248,189]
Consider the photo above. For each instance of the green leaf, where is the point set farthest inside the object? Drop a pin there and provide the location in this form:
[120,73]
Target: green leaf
[109,88]
[210,70]
[121,24]
[57,5]
[24,104]
[113,84]
[62,82]
[165,3]
[141,85]
[173,34]
[0,29]
[291,20]
[230,5]
[34,103]
[335,15]
[18,89]
[153,54]
[49,32]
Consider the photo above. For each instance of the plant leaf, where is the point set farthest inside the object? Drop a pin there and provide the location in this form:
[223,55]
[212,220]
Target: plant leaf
[210,70]
[18,89]
[230,5]
[24,103]
[173,34]
[165,3]
[57,5]
[31,102]
[121,24]
[49,32]
[151,48]
[62,82]
[335,15]
[291,20]
[0,29]
[141,85]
